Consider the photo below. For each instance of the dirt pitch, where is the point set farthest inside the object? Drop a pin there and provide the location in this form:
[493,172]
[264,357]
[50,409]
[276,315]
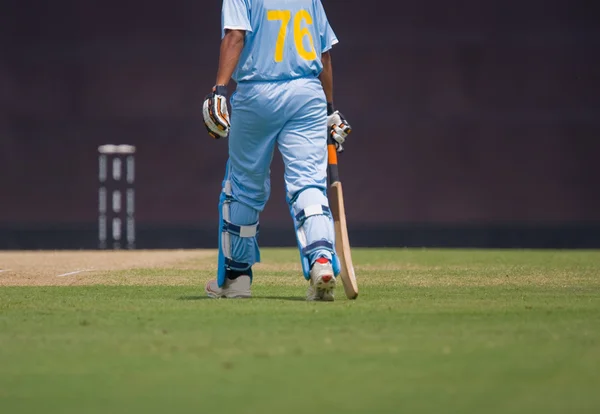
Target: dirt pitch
[63,268]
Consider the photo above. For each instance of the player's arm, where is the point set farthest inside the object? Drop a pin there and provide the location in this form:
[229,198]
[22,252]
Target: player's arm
[337,125]
[326,78]
[231,49]
[214,110]
[339,128]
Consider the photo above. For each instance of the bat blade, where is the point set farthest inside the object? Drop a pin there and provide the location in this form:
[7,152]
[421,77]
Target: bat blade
[336,203]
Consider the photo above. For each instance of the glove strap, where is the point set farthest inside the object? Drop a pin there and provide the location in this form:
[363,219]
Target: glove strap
[221,90]
[330,108]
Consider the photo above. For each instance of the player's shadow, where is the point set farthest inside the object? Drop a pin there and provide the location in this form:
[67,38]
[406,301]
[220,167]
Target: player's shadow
[288,298]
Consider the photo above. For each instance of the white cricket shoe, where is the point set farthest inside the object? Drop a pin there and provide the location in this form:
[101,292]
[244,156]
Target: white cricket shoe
[233,289]
[322,281]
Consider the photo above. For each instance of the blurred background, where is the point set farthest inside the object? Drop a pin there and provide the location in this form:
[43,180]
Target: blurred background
[476,124]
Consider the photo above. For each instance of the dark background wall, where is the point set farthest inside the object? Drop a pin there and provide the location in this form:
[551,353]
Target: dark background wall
[475,123]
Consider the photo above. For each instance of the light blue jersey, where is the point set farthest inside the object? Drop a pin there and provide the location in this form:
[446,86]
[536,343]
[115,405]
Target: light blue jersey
[284,38]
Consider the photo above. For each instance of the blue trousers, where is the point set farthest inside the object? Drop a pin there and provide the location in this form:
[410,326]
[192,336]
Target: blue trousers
[291,115]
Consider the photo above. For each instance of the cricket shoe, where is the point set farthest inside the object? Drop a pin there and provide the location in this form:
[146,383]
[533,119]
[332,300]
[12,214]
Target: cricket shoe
[322,281]
[233,288]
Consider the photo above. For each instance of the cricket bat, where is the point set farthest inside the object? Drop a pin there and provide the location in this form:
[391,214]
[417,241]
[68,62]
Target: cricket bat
[342,242]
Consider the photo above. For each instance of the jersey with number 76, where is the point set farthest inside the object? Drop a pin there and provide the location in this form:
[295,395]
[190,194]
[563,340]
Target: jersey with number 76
[284,38]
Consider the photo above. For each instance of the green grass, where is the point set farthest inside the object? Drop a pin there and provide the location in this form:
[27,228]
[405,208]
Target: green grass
[433,331]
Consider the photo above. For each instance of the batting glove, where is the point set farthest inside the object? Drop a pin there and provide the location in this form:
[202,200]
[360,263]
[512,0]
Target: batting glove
[215,113]
[338,127]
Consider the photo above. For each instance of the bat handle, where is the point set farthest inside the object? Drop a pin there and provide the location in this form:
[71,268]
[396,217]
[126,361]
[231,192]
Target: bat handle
[332,162]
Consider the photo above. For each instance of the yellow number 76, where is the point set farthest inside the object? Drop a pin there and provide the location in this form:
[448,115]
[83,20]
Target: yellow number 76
[299,33]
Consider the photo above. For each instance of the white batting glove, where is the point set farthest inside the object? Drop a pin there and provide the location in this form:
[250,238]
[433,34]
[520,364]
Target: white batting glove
[216,114]
[338,127]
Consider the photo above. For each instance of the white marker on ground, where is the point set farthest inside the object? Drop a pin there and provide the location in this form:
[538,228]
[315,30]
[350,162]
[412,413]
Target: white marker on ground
[4,270]
[74,273]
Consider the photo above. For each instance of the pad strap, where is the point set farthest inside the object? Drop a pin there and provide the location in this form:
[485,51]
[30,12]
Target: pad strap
[241,231]
[233,265]
[316,246]
[314,210]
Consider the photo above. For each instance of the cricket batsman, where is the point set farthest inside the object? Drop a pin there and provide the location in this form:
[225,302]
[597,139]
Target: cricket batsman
[278,53]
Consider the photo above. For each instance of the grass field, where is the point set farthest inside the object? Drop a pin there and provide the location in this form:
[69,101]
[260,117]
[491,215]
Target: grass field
[433,331]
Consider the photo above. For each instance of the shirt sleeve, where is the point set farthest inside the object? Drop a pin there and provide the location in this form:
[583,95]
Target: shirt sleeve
[235,16]
[328,37]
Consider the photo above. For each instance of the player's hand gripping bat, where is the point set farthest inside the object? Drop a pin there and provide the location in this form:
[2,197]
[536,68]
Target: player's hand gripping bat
[336,204]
